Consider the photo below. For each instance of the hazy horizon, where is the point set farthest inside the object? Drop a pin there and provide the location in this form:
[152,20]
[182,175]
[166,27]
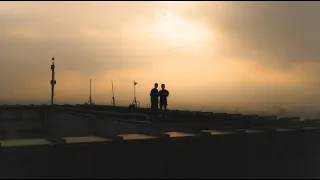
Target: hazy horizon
[211,55]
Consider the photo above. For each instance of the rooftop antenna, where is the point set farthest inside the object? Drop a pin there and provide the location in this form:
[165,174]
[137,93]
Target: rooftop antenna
[134,102]
[113,99]
[90,99]
[53,81]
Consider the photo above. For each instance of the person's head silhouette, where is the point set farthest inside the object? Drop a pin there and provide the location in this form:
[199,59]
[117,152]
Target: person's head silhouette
[163,86]
[156,85]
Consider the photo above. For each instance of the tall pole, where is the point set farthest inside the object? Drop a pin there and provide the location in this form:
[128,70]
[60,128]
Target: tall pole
[53,81]
[134,93]
[90,99]
[113,99]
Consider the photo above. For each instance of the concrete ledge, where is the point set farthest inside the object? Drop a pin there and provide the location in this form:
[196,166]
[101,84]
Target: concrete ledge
[194,132]
[112,137]
[136,137]
[24,142]
[84,139]
[218,132]
[179,134]
[232,156]
[56,140]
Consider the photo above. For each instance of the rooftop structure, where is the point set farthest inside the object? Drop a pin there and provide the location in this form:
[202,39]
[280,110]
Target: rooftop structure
[78,141]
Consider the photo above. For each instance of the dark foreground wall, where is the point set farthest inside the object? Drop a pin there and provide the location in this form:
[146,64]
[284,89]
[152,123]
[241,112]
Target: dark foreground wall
[20,122]
[250,154]
[279,154]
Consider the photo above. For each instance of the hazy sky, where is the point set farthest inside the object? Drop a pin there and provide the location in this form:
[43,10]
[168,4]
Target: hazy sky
[251,55]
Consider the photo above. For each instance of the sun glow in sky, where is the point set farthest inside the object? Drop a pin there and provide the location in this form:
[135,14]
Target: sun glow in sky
[173,28]
[168,14]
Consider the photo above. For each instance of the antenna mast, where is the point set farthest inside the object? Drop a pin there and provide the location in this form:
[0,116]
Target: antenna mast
[134,102]
[90,99]
[113,99]
[53,81]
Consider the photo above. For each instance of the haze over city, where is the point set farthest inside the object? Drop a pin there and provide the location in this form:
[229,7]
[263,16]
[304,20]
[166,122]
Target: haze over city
[211,55]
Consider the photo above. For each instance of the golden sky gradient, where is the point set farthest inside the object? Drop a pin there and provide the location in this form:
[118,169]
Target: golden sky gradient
[210,55]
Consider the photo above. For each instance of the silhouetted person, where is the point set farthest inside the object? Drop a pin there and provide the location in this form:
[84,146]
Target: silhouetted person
[154,95]
[163,93]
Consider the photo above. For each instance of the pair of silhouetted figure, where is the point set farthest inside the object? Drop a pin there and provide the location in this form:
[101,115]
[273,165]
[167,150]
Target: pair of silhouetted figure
[155,94]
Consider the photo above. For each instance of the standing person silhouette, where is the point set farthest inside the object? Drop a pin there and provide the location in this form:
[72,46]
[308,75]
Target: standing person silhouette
[154,95]
[163,93]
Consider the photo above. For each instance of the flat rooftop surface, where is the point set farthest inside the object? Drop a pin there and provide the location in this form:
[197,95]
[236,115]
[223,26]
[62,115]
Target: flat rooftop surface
[24,142]
[85,139]
[136,136]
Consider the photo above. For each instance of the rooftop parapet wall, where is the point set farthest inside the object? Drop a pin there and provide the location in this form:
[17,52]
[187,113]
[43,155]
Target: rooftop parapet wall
[249,154]
[39,121]
[59,124]
[21,122]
